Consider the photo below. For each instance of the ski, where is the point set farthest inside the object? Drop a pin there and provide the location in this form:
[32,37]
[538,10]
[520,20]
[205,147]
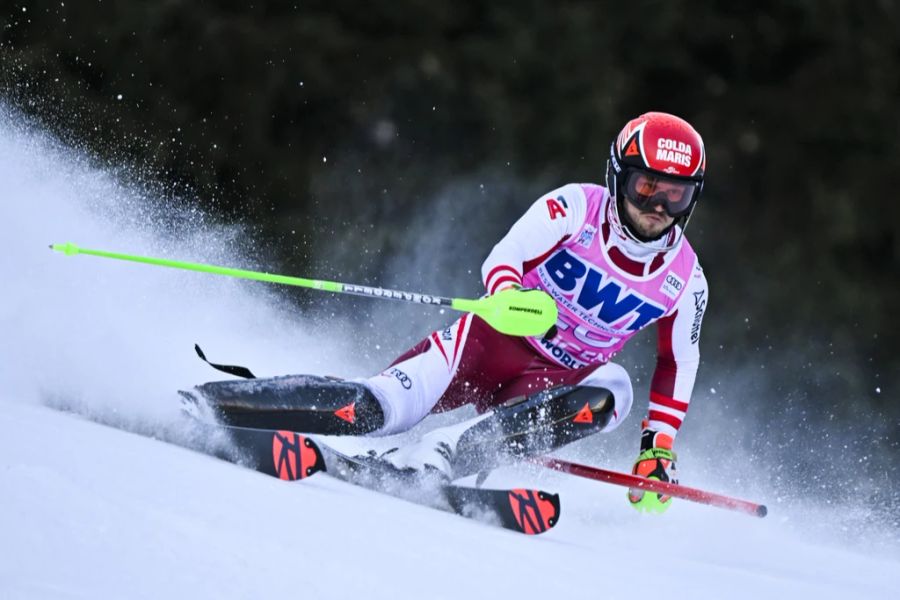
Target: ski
[291,456]
[528,511]
[283,454]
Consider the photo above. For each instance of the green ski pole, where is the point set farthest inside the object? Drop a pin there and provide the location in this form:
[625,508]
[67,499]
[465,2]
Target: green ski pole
[513,312]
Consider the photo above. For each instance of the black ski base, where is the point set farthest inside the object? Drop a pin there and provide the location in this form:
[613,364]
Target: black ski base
[289,456]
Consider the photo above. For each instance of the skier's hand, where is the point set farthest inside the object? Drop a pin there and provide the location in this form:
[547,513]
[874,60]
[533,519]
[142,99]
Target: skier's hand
[550,333]
[511,286]
[656,461]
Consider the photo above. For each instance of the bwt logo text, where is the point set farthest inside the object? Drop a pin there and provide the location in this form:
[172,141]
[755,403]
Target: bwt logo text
[600,293]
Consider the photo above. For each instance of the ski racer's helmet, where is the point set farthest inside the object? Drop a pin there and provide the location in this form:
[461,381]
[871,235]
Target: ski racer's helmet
[656,147]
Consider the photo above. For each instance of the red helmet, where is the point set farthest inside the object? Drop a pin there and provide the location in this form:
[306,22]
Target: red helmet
[651,149]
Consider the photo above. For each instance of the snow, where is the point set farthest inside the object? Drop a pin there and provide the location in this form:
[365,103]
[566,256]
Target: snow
[91,511]
[95,503]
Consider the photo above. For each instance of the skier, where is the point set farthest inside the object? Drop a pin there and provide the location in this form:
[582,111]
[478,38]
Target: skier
[614,258]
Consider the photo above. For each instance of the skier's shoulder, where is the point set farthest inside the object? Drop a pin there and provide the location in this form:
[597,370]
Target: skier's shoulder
[574,202]
[572,194]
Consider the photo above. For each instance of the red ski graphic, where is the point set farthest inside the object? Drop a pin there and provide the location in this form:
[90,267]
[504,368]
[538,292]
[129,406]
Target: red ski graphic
[584,415]
[535,511]
[294,456]
[348,413]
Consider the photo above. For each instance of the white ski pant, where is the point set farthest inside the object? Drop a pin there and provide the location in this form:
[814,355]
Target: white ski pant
[471,363]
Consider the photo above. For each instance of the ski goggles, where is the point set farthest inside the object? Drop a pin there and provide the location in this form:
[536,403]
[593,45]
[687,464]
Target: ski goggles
[644,191]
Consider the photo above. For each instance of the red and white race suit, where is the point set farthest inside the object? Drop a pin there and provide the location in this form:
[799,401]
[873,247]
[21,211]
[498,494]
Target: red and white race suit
[607,287]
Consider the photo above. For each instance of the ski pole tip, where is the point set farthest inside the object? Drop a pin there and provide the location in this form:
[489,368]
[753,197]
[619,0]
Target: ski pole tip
[761,510]
[69,249]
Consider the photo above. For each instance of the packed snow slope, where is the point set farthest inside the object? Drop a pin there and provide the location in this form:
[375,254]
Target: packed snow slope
[95,502]
[94,512]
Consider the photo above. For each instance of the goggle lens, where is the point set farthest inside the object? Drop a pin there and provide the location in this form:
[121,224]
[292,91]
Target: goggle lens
[644,191]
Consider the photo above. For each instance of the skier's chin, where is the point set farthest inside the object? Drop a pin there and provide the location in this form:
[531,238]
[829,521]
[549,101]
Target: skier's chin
[651,227]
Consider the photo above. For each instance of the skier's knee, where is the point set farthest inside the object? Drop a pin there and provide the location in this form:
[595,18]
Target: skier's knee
[401,411]
[615,378]
[408,390]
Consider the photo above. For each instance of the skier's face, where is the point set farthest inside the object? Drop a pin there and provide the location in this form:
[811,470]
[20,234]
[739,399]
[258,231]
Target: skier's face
[649,222]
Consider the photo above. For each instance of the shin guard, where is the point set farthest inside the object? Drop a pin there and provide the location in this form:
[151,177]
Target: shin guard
[304,403]
[533,425]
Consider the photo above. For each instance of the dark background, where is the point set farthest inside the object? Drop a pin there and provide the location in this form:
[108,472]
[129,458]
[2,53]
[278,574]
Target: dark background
[395,142]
